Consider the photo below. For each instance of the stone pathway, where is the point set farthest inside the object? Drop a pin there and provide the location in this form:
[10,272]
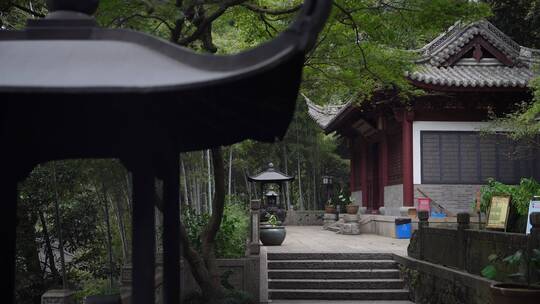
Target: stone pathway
[335,302]
[315,239]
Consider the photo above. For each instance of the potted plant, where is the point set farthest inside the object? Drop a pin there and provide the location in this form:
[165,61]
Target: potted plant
[348,202]
[330,207]
[272,233]
[524,285]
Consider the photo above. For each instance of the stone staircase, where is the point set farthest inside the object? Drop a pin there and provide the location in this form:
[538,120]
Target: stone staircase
[334,276]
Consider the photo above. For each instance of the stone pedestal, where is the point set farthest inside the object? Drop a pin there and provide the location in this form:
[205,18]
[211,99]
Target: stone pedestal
[362,210]
[329,219]
[404,211]
[350,225]
[58,296]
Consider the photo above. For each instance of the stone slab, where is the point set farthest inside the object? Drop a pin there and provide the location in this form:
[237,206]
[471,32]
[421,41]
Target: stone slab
[58,296]
[315,239]
[349,218]
[350,229]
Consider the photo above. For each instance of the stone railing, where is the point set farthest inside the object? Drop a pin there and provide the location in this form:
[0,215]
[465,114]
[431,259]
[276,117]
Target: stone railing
[465,248]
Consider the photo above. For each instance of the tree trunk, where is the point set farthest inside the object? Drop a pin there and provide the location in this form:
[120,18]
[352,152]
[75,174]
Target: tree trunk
[59,228]
[230,171]
[248,184]
[48,246]
[209,172]
[186,202]
[119,211]
[104,199]
[203,266]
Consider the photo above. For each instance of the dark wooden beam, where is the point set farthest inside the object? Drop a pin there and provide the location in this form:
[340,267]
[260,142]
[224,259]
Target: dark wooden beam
[171,231]
[144,238]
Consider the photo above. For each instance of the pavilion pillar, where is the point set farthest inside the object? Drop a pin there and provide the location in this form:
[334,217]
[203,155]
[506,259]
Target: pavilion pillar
[171,231]
[363,172]
[8,196]
[407,162]
[144,241]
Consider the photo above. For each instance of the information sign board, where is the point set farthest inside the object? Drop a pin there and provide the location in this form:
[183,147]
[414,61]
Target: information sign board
[498,212]
[534,206]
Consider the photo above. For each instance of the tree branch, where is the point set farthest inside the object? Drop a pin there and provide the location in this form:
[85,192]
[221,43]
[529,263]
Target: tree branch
[27,10]
[265,10]
[203,25]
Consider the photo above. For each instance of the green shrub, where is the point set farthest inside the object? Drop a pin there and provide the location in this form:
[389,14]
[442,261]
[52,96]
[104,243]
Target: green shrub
[521,194]
[231,238]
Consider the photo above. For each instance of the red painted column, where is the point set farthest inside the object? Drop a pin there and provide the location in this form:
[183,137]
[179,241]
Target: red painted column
[363,172]
[383,168]
[352,179]
[407,164]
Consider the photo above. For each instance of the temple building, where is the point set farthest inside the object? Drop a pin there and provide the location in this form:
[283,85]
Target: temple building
[433,143]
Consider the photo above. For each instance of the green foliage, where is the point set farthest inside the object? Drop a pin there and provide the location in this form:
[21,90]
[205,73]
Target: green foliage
[231,238]
[520,194]
[273,220]
[91,286]
[345,199]
[521,267]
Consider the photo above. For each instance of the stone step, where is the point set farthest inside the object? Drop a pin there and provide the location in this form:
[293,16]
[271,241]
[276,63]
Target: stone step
[333,228]
[330,256]
[333,274]
[335,284]
[332,264]
[339,294]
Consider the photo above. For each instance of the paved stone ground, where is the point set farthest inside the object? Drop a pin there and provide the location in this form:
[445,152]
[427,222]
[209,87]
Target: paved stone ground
[335,302]
[315,239]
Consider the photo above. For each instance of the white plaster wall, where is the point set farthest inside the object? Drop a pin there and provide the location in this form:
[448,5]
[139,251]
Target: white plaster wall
[419,126]
[357,196]
[393,199]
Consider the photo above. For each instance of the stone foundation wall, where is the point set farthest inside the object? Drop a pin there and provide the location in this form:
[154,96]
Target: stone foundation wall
[456,198]
[393,199]
[242,274]
[304,218]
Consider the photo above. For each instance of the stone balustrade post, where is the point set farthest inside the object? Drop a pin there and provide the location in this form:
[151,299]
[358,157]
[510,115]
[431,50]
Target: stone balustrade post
[463,221]
[254,247]
[423,223]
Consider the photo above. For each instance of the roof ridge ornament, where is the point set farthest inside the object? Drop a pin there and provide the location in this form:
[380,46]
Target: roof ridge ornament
[87,7]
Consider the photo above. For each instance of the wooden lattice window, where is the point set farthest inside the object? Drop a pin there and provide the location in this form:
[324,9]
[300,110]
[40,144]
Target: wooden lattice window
[469,158]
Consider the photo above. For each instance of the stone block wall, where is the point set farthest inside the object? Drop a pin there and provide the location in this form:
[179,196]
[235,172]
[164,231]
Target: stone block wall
[304,218]
[456,198]
[243,274]
[393,199]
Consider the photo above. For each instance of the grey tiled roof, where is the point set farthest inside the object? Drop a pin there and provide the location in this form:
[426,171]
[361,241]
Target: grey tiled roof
[473,76]
[467,73]
[323,115]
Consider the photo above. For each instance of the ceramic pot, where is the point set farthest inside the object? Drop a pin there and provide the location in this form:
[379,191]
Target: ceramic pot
[507,293]
[272,235]
[329,209]
[352,209]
